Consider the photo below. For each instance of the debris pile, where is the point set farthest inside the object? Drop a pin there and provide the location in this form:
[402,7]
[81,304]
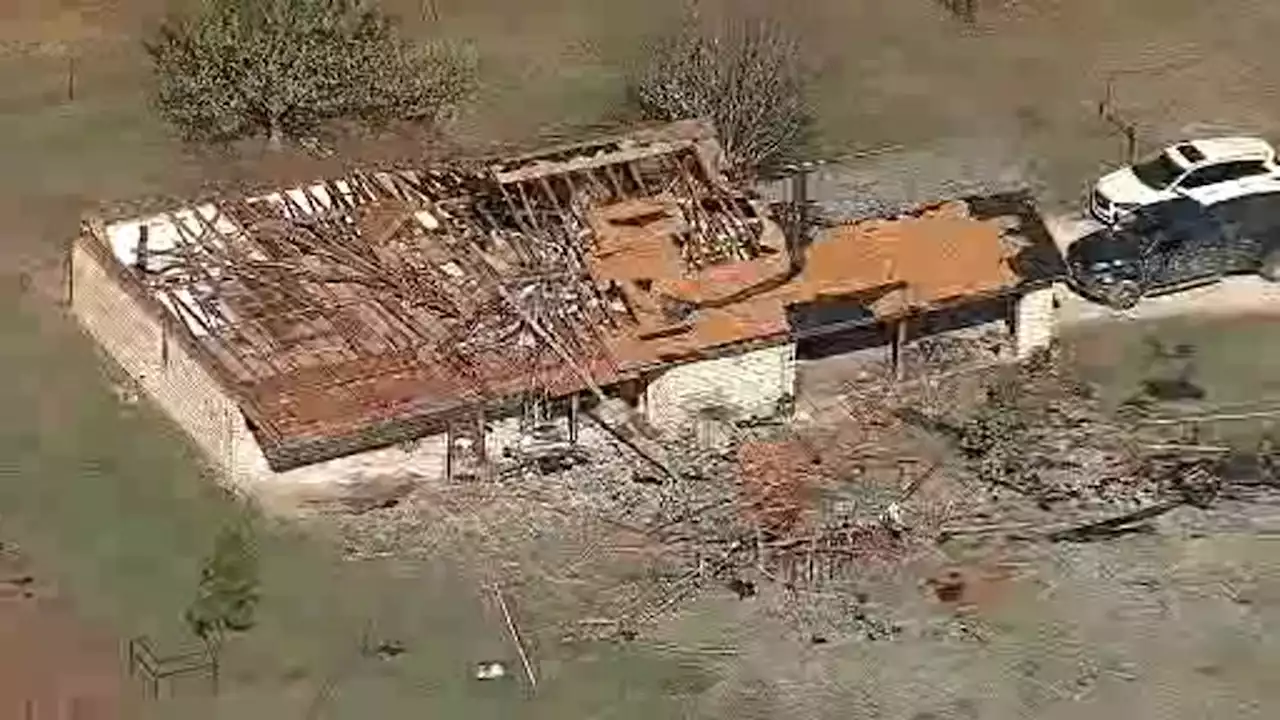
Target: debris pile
[1033,432]
[759,516]
[805,522]
[772,477]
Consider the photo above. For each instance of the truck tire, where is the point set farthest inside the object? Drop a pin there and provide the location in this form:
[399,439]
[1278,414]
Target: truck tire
[1123,295]
[1270,267]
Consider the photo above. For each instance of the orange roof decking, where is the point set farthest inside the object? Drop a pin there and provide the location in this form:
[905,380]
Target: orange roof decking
[911,263]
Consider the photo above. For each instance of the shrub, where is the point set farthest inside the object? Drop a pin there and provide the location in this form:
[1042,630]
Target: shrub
[227,596]
[281,68]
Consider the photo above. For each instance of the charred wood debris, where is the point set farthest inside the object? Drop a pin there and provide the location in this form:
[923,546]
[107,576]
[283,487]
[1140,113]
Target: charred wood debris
[809,519]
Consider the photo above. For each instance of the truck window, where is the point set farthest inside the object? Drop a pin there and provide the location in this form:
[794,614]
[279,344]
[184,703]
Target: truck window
[1249,168]
[1211,175]
[1224,172]
[1158,172]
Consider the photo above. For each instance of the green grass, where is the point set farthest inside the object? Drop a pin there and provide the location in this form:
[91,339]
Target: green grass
[109,500]
[1232,361]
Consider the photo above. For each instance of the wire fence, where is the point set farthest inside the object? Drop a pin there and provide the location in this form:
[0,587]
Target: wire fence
[151,668]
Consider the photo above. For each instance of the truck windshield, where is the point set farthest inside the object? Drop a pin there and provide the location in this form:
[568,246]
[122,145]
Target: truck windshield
[1159,172]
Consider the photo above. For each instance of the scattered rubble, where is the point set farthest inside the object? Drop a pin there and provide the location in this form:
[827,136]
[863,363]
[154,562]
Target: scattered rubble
[811,523]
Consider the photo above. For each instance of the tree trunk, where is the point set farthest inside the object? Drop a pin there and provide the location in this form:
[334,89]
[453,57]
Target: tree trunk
[275,135]
[214,649]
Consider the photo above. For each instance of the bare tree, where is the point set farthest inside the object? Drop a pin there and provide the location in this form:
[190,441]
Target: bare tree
[238,68]
[744,73]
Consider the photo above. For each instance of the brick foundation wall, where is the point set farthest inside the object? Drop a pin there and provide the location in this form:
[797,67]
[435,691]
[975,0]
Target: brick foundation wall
[750,384]
[136,339]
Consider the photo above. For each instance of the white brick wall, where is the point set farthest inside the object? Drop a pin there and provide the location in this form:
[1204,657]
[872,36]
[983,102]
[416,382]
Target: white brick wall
[748,384]
[169,375]
[424,458]
[1037,322]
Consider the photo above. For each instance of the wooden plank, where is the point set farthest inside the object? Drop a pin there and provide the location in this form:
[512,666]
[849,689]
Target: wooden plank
[585,164]
[637,178]
[899,344]
[575,401]
[611,172]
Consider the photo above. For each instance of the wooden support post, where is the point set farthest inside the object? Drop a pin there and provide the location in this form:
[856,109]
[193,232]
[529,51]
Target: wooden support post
[449,441]
[899,343]
[70,274]
[482,454]
[140,256]
[574,402]
[808,573]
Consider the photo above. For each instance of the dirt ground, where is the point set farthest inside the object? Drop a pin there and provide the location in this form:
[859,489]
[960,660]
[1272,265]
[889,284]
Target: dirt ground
[51,664]
[1167,626]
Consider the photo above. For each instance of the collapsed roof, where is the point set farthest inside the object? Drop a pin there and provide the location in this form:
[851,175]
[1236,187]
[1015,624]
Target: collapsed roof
[389,296]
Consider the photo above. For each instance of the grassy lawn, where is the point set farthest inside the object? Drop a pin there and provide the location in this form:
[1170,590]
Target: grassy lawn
[1230,360]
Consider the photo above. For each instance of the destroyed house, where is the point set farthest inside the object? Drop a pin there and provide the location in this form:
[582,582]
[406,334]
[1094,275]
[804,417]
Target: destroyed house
[336,321]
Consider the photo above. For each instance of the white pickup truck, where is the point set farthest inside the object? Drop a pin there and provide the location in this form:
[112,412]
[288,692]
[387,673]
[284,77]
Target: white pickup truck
[1208,171]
